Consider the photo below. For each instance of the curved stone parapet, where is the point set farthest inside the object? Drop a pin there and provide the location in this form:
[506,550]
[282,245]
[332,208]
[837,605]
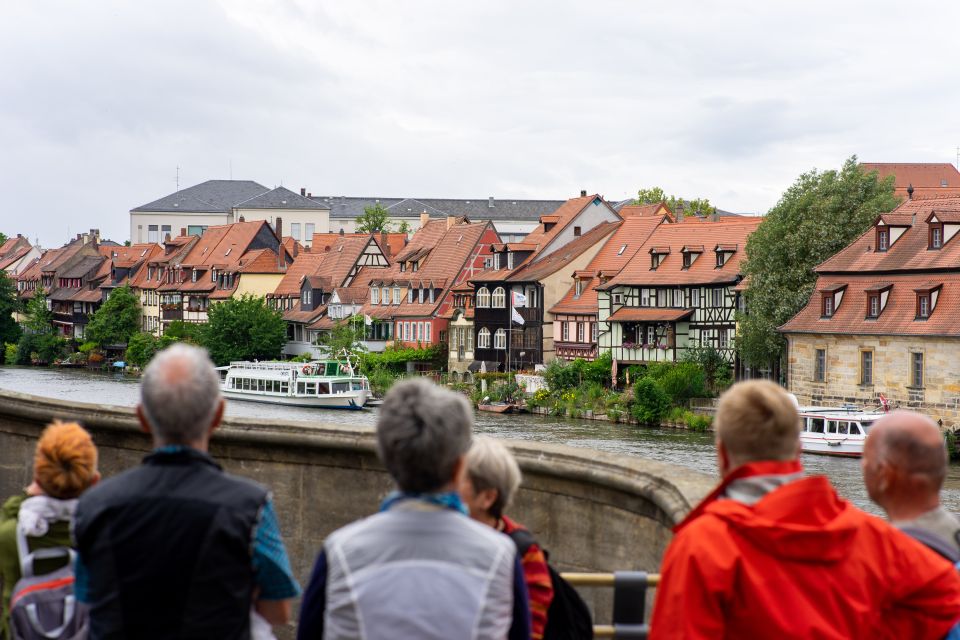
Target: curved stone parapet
[594,511]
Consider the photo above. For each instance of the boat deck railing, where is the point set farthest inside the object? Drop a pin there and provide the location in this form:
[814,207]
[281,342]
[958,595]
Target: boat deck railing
[267,366]
[629,601]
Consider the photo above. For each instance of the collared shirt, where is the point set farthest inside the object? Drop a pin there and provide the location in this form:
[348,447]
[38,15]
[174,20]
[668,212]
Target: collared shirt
[938,521]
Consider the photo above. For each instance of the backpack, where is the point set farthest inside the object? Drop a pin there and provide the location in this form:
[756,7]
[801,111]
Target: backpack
[44,607]
[568,617]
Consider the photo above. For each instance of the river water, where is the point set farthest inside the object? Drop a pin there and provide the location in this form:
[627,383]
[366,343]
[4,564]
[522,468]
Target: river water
[683,448]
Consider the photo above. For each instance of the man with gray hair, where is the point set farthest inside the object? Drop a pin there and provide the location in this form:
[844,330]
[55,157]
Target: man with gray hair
[176,548]
[904,464]
[420,568]
[773,554]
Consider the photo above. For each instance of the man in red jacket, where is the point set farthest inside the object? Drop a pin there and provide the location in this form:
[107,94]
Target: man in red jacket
[774,554]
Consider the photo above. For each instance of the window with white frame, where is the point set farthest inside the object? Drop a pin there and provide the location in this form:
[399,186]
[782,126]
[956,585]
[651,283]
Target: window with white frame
[644,297]
[385,296]
[651,335]
[410,295]
[420,295]
[564,331]
[308,232]
[500,339]
[483,338]
[483,298]
[396,295]
[580,332]
[416,331]
[717,297]
[596,329]
[499,298]
[426,332]
[509,259]
[695,297]
[374,295]
[295,230]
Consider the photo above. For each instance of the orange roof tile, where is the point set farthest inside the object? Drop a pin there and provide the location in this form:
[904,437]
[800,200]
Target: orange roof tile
[927,178]
[725,233]
[898,316]
[656,209]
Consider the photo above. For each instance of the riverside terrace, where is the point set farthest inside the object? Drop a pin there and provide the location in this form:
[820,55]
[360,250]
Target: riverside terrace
[594,511]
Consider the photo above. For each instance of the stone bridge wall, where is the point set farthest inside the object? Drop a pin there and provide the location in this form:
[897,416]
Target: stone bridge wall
[593,511]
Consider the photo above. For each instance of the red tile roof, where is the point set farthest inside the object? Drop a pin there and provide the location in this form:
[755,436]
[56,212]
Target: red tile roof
[560,258]
[724,233]
[927,178]
[615,254]
[899,314]
[303,265]
[654,210]
[649,314]
[909,251]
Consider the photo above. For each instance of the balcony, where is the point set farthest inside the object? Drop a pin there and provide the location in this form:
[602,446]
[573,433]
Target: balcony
[574,350]
[530,314]
[172,312]
[629,352]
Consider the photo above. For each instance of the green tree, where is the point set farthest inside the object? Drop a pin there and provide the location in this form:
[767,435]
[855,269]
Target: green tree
[651,401]
[140,348]
[347,334]
[39,341]
[243,328]
[116,320]
[820,214]
[3,237]
[374,219]
[698,206]
[9,304]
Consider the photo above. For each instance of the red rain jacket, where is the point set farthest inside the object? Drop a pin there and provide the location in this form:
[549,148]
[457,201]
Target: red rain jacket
[800,563]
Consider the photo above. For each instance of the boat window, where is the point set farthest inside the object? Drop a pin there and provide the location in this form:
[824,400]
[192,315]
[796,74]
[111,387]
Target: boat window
[854,429]
[301,387]
[341,387]
[842,427]
[261,385]
[816,425]
[323,388]
[246,384]
[865,426]
[831,426]
[284,387]
[356,385]
[311,388]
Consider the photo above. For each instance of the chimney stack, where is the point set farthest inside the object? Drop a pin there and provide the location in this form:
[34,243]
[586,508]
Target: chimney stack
[490,202]
[583,193]
[241,219]
[303,191]
[424,219]
[279,227]
[166,238]
[183,231]
[451,220]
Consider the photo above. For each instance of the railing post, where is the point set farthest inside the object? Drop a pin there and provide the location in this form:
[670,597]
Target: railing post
[629,604]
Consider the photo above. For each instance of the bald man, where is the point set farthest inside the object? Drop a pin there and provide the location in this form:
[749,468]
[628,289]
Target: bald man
[904,465]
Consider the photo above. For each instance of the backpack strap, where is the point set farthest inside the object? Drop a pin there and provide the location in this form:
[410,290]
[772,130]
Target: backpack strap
[934,542]
[523,539]
[27,557]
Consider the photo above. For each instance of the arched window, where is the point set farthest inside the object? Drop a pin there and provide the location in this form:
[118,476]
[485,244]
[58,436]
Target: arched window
[499,298]
[483,299]
[483,338]
[500,339]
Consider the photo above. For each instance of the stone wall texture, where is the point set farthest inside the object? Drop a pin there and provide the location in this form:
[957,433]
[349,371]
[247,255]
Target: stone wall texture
[593,511]
[938,397]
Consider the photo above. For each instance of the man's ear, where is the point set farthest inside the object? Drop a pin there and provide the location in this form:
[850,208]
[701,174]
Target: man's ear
[142,418]
[723,459]
[217,418]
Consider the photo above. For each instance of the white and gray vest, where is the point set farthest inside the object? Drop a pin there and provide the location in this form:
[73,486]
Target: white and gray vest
[419,572]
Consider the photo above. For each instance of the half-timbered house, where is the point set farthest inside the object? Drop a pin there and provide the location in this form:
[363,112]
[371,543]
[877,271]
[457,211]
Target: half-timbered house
[677,292]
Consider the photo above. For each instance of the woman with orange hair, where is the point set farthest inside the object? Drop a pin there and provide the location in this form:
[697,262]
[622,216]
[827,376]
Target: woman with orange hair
[64,466]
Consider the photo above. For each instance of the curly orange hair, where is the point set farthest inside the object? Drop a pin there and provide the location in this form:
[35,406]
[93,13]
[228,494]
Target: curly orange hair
[65,463]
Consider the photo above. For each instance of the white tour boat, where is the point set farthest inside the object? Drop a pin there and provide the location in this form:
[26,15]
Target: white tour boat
[835,431]
[326,384]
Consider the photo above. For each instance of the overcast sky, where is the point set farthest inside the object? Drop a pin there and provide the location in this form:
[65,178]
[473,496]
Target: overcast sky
[101,101]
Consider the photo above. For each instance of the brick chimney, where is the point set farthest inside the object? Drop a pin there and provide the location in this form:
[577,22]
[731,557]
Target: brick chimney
[424,219]
[583,193]
[303,191]
[241,218]
[451,220]
[278,227]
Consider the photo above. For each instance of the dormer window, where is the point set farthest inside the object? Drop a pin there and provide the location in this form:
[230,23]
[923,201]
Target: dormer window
[496,261]
[926,300]
[690,254]
[578,288]
[576,232]
[374,295]
[657,256]
[724,251]
[403,267]
[935,236]
[830,299]
[509,259]
[883,239]
[877,296]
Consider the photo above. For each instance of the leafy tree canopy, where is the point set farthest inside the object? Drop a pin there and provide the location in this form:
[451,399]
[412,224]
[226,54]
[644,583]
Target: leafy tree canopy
[820,214]
[374,219]
[116,320]
[346,334]
[37,318]
[243,328]
[653,195]
[9,304]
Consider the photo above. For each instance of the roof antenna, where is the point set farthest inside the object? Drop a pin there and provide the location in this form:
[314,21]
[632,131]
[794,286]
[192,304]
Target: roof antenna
[178,178]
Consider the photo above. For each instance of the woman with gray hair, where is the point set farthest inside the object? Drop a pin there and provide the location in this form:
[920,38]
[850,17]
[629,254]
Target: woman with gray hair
[488,487]
[419,568]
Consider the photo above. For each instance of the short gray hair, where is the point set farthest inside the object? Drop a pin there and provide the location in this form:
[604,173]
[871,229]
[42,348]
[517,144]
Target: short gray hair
[490,465]
[180,393]
[421,432]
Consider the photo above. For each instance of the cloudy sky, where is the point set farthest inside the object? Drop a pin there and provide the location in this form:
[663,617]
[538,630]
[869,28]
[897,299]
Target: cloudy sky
[101,101]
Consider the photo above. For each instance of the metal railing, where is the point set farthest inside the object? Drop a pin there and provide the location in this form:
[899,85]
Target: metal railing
[629,601]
